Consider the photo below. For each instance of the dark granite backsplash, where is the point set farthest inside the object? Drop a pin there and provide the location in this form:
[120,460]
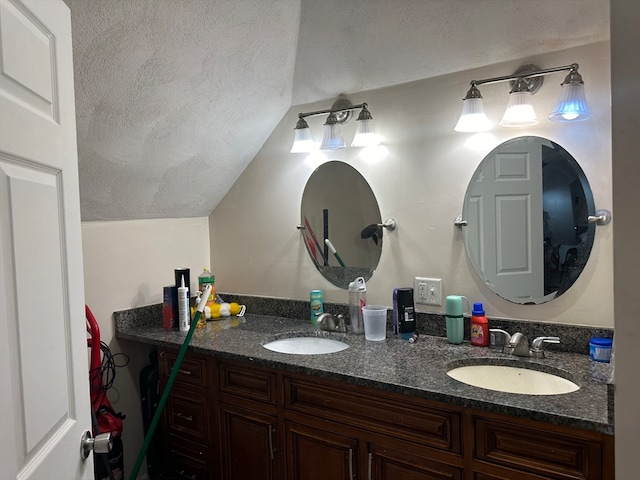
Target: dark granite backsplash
[573,338]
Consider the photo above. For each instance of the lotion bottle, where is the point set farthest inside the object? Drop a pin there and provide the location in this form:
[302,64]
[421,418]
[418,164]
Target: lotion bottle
[184,316]
[479,327]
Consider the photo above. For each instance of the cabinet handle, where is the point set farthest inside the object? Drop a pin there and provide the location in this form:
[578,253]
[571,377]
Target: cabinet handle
[351,463]
[369,466]
[183,372]
[161,353]
[271,431]
[186,417]
[184,475]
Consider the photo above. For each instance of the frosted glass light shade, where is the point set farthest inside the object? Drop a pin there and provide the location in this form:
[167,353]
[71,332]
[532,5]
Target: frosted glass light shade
[332,138]
[519,112]
[572,104]
[473,117]
[302,141]
[365,135]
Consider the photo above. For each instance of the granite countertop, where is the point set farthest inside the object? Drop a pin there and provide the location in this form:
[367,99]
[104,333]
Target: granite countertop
[395,365]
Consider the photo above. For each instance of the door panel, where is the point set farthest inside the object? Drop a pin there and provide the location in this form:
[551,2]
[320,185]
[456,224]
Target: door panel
[505,216]
[249,440]
[43,349]
[315,454]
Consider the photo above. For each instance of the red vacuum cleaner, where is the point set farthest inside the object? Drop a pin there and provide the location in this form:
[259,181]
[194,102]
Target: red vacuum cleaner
[108,466]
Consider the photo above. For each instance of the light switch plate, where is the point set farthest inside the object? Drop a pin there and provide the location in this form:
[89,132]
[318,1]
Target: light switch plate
[428,291]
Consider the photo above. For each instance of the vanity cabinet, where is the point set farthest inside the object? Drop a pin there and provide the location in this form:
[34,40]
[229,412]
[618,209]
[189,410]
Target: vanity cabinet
[542,450]
[248,422]
[315,453]
[248,446]
[262,423]
[403,461]
[188,419]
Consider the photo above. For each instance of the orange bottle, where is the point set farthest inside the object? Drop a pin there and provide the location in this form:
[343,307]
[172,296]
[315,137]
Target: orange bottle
[479,327]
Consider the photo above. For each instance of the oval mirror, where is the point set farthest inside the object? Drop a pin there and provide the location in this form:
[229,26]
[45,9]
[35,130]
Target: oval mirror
[526,208]
[338,204]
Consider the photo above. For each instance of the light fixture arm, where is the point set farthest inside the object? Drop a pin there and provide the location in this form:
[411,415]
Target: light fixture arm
[332,110]
[527,74]
[339,114]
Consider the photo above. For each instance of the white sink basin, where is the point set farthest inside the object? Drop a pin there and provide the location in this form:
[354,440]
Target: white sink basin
[306,345]
[502,378]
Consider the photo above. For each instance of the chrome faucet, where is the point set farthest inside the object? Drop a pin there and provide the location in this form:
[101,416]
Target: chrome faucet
[518,345]
[327,322]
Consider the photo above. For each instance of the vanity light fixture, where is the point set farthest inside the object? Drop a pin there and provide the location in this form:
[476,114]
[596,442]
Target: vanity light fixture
[519,112]
[339,114]
[525,82]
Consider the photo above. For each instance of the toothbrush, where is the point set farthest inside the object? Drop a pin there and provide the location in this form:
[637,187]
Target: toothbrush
[333,250]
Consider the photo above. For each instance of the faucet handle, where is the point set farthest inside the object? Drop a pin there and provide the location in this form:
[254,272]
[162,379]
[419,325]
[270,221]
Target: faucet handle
[538,342]
[327,322]
[498,337]
[537,345]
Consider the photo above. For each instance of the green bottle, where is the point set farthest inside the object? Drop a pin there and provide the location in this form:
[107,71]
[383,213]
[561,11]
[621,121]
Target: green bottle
[317,306]
[204,279]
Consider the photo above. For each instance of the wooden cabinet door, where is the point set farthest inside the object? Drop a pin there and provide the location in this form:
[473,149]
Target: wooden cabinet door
[386,463]
[315,454]
[248,444]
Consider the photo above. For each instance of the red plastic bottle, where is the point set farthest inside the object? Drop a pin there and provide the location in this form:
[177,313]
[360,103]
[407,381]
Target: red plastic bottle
[479,327]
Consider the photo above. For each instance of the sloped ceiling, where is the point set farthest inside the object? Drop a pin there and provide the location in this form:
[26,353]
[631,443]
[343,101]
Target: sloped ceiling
[175,97]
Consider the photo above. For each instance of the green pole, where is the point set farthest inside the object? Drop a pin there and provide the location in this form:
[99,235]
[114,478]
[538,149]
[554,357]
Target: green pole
[167,388]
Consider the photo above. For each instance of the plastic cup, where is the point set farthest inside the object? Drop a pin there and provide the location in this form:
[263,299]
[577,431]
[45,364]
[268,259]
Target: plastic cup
[375,322]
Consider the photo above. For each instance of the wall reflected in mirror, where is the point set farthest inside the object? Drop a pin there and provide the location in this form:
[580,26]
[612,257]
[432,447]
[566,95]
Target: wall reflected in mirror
[338,204]
[527,233]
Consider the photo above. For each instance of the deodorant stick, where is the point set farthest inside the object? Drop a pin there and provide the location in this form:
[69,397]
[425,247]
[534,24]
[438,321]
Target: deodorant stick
[404,322]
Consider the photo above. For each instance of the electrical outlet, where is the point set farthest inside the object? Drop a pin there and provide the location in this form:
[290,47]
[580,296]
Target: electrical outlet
[428,291]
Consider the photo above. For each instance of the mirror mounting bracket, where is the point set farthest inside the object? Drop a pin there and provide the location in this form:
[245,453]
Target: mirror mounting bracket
[390,224]
[459,222]
[602,217]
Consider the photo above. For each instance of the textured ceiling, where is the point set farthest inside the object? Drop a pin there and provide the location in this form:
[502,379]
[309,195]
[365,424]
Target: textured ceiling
[175,97]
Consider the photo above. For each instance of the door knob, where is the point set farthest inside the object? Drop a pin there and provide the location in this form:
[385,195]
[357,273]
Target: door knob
[102,443]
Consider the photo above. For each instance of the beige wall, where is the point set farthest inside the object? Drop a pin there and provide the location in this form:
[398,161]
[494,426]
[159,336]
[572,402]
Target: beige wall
[256,248]
[126,264]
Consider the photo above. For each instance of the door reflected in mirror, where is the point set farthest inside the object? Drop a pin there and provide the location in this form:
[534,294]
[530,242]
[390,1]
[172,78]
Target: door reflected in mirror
[527,233]
[339,205]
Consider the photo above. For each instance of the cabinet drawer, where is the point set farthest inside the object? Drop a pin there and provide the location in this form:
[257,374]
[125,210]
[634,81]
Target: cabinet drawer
[394,460]
[374,410]
[248,382]
[547,452]
[188,461]
[187,414]
[192,371]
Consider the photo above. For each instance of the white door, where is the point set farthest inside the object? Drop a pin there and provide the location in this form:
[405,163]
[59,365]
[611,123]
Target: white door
[505,229]
[44,398]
